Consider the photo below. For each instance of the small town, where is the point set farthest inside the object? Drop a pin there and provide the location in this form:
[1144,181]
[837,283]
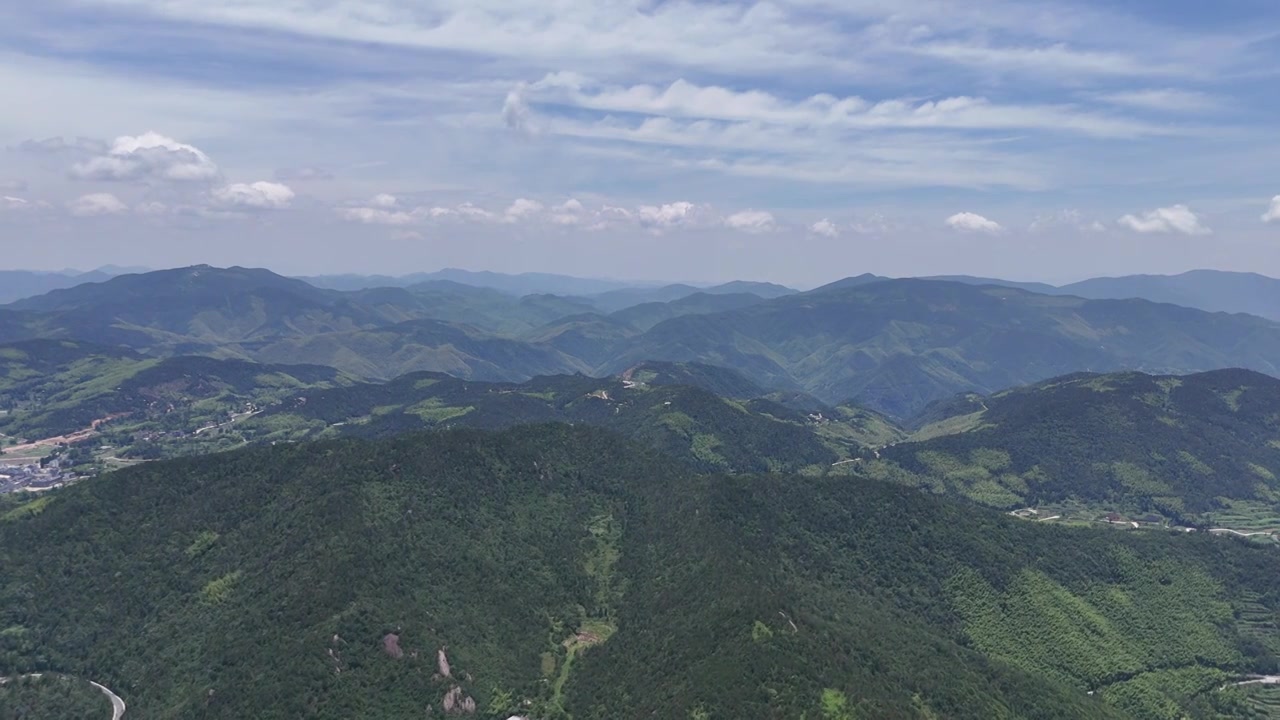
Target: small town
[33,477]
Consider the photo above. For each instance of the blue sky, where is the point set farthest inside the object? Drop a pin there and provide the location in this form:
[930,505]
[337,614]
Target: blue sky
[793,140]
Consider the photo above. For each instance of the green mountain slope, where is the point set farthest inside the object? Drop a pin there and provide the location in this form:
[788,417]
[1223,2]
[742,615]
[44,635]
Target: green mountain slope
[1194,448]
[708,432]
[896,346]
[647,315]
[565,574]
[419,345]
[142,406]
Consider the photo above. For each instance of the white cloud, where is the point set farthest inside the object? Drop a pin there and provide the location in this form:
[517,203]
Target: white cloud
[665,216]
[570,212]
[751,221]
[8,202]
[1273,213]
[1173,219]
[148,156]
[521,209]
[378,216]
[826,228]
[464,211]
[95,204]
[384,201]
[253,196]
[972,222]
[382,209]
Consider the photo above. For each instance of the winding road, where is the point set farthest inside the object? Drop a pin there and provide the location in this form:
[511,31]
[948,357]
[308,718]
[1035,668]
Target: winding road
[117,702]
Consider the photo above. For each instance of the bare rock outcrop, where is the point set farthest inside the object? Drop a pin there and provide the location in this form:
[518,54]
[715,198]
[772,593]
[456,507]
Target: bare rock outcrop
[391,645]
[455,702]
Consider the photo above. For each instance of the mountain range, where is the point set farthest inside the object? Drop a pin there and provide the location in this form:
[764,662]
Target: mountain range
[893,346]
[881,498]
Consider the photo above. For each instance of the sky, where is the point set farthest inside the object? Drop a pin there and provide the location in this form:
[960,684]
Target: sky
[797,141]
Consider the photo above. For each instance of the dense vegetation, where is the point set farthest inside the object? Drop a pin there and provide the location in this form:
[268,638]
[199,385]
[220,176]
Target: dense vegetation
[1186,448]
[709,432]
[565,568]
[50,696]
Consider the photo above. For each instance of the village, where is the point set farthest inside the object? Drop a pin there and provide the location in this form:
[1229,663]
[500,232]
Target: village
[34,477]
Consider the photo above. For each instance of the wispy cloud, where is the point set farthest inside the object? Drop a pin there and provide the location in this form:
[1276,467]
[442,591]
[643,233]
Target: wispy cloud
[1165,100]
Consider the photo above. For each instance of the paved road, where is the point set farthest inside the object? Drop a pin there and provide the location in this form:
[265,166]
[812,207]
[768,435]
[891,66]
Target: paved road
[1260,680]
[117,703]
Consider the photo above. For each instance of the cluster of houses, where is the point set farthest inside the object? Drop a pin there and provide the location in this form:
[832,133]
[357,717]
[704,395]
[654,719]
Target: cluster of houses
[33,478]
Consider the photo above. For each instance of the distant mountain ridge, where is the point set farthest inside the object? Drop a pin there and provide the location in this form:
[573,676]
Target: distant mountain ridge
[1210,290]
[19,284]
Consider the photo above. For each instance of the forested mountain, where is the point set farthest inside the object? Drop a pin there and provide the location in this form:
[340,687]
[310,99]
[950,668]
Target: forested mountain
[709,432]
[897,345]
[554,572]
[645,316]
[1195,448]
[890,345]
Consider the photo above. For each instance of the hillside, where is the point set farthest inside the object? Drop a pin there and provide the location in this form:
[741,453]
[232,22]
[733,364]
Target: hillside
[190,308]
[708,432]
[148,407]
[647,315]
[419,345]
[560,568]
[895,346]
[1201,449]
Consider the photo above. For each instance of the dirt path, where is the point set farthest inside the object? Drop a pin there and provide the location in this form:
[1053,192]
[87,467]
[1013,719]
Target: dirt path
[117,703]
[69,439]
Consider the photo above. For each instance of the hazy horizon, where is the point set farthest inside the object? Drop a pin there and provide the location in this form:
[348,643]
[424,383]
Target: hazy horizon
[638,281]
